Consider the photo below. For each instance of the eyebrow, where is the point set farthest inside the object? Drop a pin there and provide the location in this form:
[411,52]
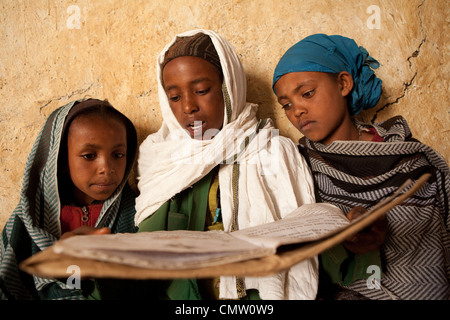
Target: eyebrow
[96,146]
[195,81]
[297,88]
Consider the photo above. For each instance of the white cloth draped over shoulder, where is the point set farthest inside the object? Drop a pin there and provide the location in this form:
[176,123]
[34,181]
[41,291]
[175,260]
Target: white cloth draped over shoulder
[273,178]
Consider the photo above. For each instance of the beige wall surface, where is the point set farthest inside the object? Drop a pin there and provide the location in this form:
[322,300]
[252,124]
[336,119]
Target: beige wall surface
[53,52]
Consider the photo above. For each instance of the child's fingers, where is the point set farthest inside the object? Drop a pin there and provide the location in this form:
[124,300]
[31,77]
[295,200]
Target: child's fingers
[368,239]
[104,230]
[85,230]
[355,212]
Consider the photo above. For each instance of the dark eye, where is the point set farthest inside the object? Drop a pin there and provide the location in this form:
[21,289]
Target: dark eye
[88,156]
[174,98]
[119,155]
[203,92]
[286,106]
[308,94]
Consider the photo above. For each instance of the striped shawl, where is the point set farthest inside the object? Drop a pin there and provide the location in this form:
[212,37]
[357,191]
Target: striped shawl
[415,254]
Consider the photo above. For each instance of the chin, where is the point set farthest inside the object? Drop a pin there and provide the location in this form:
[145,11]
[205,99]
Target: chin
[315,139]
[102,197]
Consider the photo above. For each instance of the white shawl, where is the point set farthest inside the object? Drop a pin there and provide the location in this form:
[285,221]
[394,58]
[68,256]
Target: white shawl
[273,178]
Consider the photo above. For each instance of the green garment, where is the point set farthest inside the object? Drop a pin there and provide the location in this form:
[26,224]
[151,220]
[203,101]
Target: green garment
[344,267]
[185,211]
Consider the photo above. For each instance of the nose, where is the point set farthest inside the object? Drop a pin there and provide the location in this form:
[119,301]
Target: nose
[189,104]
[105,166]
[298,109]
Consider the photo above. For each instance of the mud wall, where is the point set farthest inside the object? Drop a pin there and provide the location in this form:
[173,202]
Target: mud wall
[53,52]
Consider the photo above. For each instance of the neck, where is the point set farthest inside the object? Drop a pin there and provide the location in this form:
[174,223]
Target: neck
[345,132]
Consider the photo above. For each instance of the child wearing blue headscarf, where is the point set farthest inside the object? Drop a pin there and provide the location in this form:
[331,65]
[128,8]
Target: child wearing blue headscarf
[322,82]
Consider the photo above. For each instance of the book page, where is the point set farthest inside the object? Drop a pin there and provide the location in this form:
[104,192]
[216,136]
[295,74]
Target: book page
[181,254]
[306,223]
[176,241]
[162,249]
[185,249]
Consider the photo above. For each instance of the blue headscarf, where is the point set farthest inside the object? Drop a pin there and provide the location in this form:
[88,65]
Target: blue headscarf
[334,54]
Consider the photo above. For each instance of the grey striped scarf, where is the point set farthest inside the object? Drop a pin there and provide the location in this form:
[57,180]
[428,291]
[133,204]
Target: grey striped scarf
[34,225]
[416,251]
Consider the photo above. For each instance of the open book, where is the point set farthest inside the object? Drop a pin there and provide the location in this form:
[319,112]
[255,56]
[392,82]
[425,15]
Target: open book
[256,251]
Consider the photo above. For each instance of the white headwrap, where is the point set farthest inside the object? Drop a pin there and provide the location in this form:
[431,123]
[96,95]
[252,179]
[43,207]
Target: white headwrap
[273,179]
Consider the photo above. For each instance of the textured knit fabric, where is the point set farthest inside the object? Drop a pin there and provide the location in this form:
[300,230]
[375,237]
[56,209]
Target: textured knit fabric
[416,250]
[199,45]
[35,224]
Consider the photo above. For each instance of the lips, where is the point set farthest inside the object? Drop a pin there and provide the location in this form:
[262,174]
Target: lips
[104,185]
[305,124]
[196,128]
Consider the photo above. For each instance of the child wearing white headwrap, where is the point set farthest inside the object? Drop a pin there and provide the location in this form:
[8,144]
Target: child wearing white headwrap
[247,174]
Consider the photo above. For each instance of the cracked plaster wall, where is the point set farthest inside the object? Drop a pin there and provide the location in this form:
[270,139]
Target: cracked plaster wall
[52,54]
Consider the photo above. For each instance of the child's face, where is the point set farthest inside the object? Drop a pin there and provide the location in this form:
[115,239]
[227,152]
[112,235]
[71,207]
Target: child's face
[97,149]
[194,89]
[315,104]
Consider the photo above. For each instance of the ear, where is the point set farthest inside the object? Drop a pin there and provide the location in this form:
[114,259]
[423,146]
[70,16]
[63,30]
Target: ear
[345,80]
